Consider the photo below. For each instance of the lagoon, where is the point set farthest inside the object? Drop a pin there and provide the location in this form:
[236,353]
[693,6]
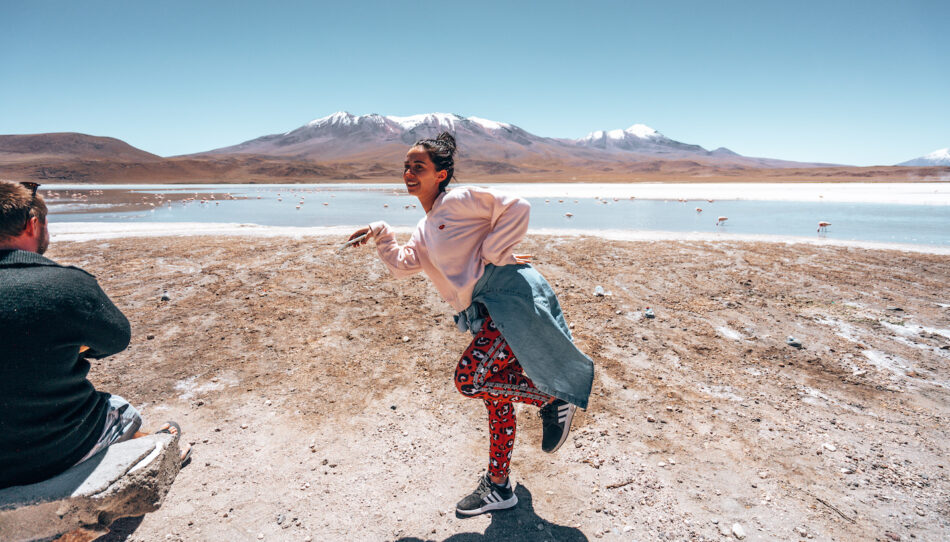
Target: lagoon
[905,213]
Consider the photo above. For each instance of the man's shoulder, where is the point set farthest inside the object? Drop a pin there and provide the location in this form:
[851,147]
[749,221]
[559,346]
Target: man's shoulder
[14,259]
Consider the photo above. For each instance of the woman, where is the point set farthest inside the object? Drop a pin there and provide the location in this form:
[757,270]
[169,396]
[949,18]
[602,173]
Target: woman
[522,351]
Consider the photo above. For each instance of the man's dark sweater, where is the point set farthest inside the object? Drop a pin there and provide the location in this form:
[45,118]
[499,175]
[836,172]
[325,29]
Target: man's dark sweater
[50,414]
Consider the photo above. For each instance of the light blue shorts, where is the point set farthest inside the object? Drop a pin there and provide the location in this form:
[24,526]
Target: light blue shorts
[122,422]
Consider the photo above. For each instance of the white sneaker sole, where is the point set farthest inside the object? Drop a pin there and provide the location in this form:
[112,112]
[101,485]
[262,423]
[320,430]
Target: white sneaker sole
[488,507]
[567,428]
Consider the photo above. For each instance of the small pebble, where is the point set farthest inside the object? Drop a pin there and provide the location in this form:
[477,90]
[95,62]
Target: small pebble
[828,446]
[405,338]
[738,531]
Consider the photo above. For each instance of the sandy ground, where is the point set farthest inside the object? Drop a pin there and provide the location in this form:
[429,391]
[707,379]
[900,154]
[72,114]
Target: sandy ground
[312,418]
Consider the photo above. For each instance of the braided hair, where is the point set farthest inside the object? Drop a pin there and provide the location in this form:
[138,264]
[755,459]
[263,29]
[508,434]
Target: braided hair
[441,151]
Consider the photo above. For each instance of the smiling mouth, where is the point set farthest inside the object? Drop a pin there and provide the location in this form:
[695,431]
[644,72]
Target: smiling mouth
[412,184]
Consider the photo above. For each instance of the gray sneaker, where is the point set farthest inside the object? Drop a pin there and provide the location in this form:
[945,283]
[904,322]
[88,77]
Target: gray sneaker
[556,420]
[487,497]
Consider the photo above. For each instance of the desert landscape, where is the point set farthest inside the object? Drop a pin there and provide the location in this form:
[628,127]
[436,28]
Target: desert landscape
[317,392]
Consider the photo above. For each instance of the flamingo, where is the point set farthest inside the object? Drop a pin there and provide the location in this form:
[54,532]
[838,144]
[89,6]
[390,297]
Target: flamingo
[823,226]
[568,215]
[699,209]
[721,220]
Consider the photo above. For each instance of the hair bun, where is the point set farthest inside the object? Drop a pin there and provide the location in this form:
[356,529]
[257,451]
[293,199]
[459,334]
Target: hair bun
[448,140]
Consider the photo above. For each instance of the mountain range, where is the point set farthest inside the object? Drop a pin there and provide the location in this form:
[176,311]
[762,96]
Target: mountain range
[488,147]
[371,147]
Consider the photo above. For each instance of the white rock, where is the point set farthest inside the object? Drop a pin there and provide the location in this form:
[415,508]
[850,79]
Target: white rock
[738,531]
[829,446]
[405,338]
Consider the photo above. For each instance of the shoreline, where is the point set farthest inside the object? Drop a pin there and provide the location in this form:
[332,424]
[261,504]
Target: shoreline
[99,231]
[901,193]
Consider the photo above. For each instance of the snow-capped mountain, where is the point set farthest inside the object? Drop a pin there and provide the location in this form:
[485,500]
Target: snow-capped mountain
[940,157]
[343,134]
[638,138]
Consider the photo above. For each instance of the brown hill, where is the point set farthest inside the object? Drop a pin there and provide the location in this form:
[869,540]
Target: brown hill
[67,146]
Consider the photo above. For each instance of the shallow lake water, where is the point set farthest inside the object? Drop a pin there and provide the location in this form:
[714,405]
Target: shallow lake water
[335,205]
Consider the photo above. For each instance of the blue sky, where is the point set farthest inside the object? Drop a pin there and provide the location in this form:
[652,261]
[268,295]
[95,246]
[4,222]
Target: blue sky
[859,83]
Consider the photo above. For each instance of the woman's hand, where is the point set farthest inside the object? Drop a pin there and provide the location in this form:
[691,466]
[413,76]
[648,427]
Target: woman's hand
[362,231]
[522,258]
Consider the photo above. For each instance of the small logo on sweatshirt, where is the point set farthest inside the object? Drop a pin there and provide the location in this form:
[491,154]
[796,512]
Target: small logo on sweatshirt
[441,226]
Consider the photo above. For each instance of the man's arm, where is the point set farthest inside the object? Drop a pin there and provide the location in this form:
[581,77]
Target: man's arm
[101,325]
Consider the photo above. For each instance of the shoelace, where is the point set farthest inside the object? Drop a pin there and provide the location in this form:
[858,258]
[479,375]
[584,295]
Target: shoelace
[484,487]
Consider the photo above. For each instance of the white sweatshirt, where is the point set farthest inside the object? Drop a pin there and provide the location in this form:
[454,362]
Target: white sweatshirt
[466,228]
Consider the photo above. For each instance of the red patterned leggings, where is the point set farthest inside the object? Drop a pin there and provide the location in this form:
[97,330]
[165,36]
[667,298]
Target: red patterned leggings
[489,371]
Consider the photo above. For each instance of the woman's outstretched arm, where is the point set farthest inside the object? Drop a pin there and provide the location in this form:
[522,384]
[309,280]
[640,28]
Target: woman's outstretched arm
[402,260]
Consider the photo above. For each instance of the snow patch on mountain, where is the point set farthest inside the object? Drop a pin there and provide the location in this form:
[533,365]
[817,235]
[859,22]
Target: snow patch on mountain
[444,120]
[940,157]
[438,119]
[340,117]
[489,124]
[640,131]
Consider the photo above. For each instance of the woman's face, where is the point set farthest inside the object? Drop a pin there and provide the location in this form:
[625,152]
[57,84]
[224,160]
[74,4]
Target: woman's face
[420,176]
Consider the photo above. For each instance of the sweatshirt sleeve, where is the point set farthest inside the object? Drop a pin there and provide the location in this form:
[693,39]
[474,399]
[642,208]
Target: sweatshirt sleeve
[509,224]
[102,326]
[403,260]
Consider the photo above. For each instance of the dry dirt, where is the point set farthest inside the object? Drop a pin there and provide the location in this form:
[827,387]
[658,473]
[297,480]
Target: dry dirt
[312,419]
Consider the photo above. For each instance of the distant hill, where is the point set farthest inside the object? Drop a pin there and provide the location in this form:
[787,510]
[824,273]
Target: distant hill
[68,146]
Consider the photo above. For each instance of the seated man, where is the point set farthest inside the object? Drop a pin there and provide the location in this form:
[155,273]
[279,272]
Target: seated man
[52,317]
